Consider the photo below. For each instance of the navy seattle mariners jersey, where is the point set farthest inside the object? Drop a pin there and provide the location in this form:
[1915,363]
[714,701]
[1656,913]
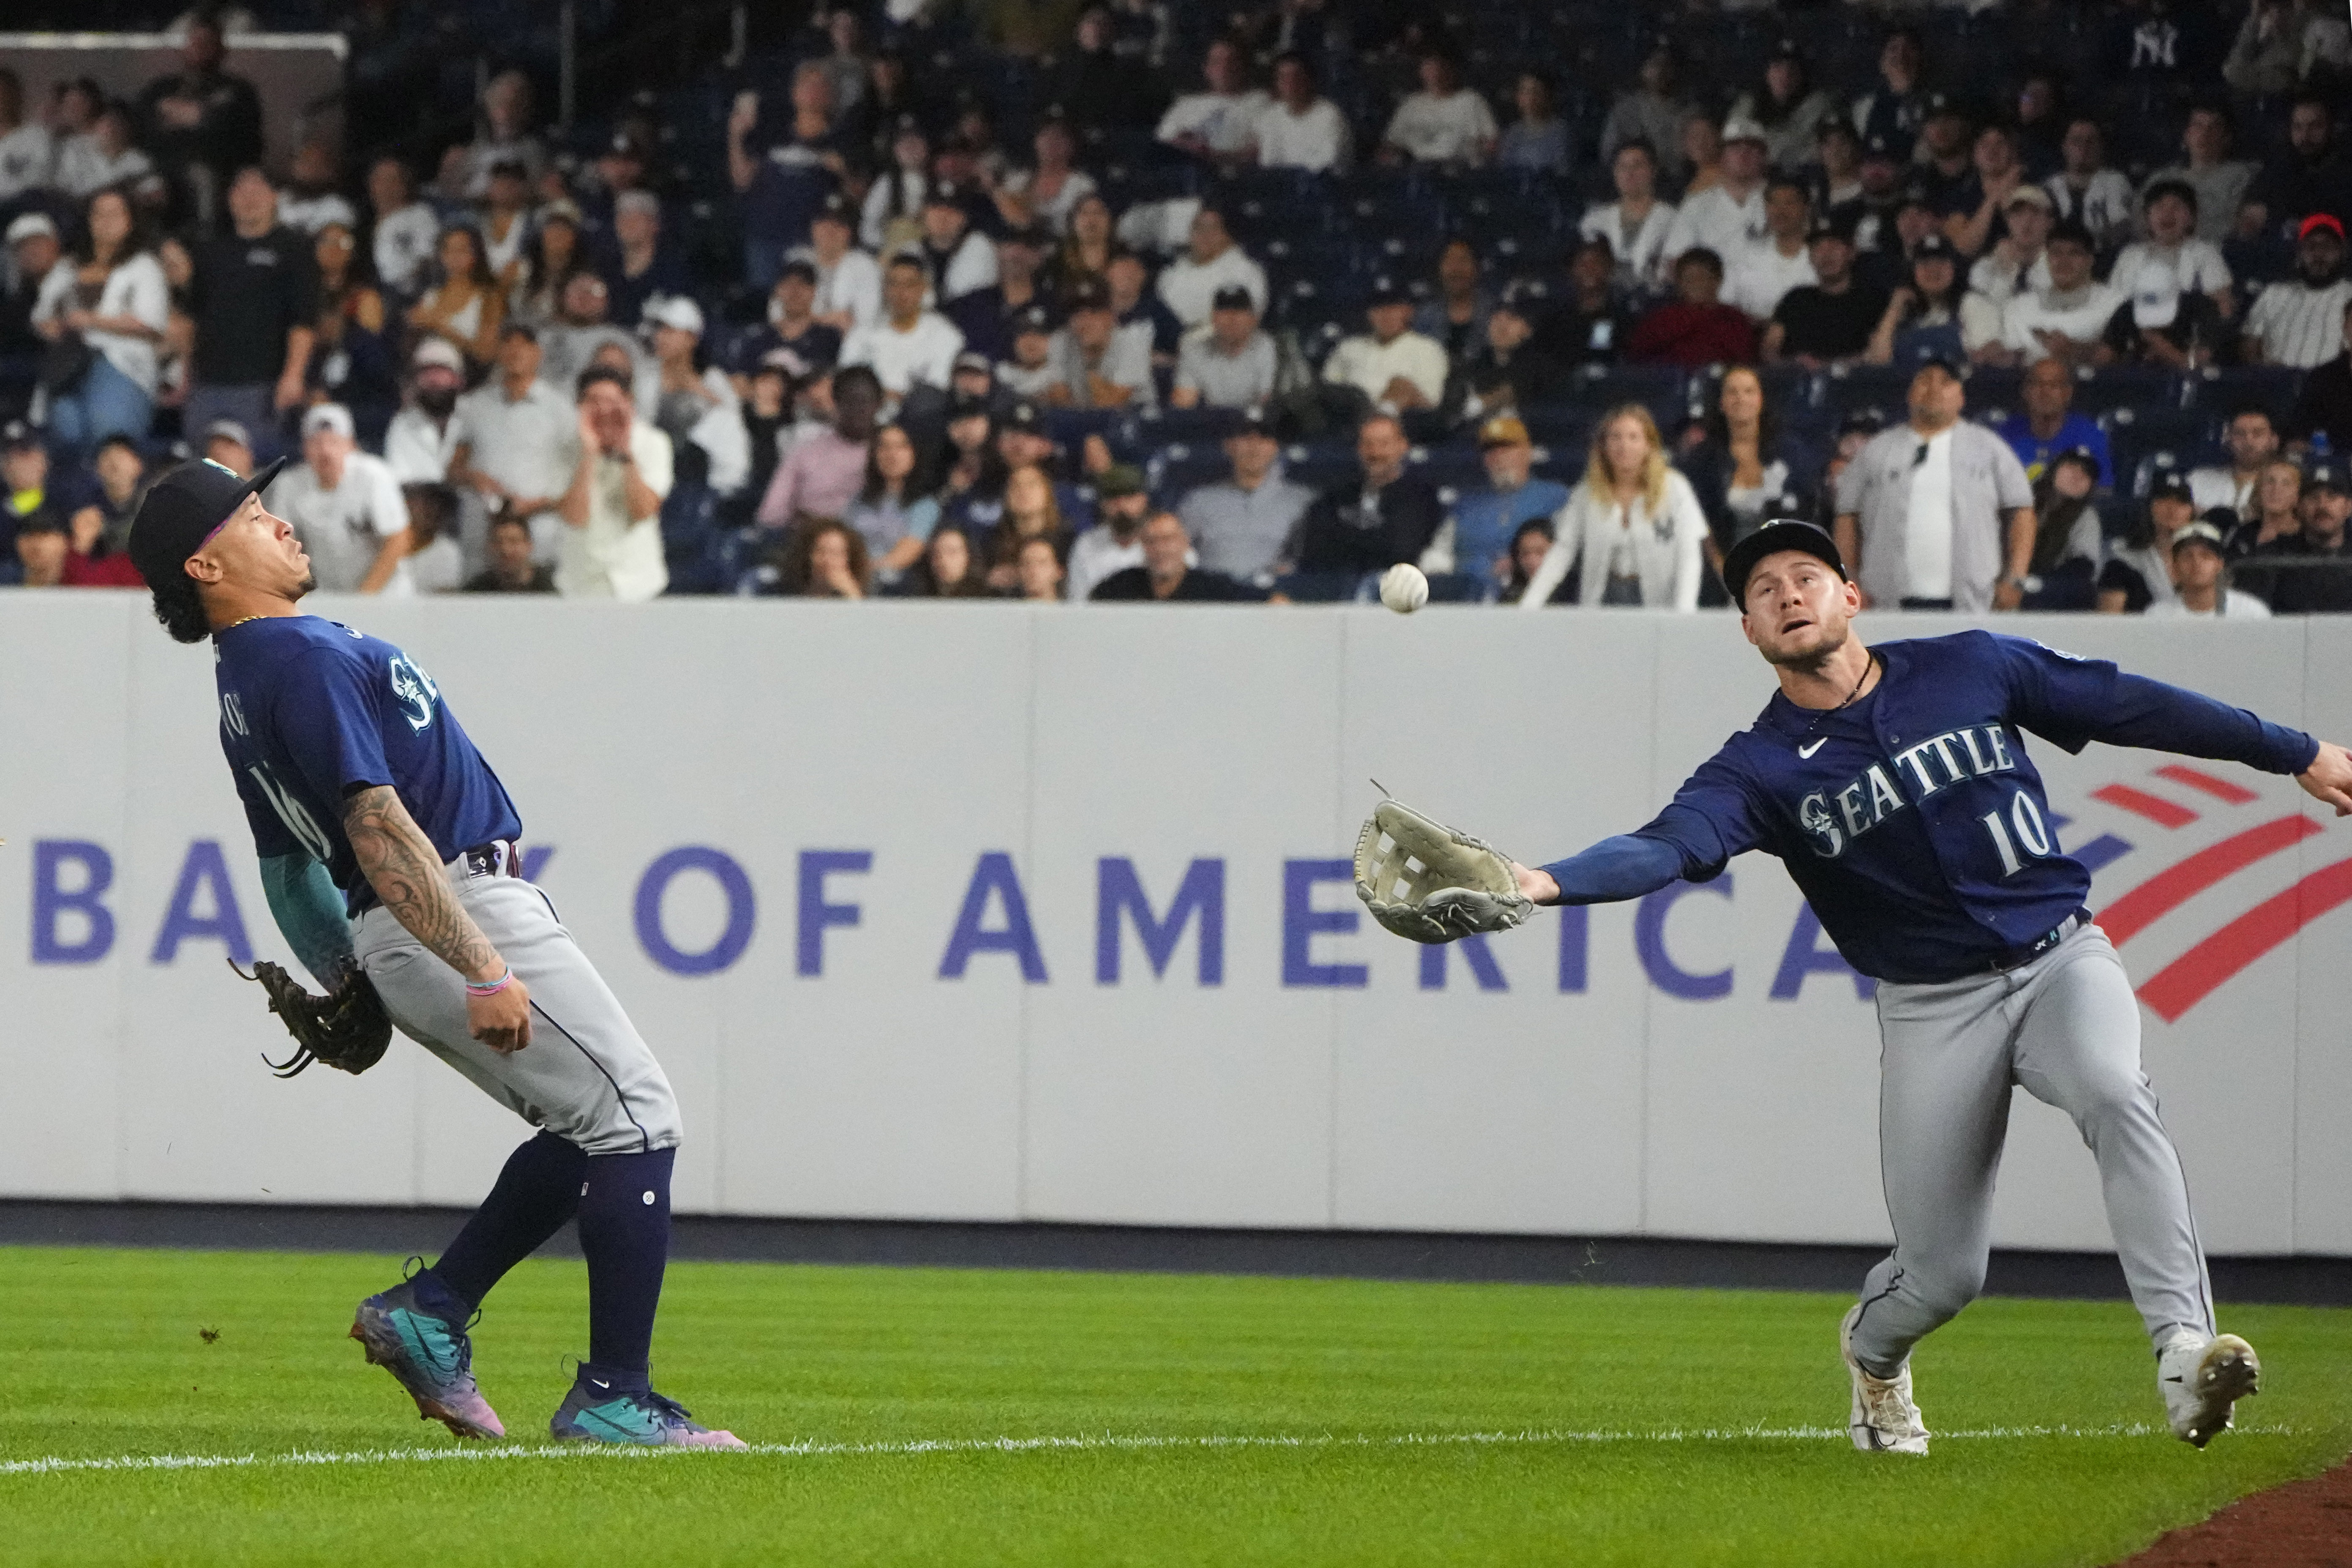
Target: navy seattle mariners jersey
[311,711]
[1913,821]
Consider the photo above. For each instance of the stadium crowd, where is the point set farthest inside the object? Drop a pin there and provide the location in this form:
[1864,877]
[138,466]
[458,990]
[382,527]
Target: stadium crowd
[2034,303]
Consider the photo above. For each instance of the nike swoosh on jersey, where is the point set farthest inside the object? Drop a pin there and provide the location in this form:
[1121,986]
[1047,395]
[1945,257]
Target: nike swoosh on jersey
[1817,745]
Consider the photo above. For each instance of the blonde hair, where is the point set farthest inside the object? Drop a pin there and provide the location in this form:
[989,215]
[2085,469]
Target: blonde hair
[1598,479]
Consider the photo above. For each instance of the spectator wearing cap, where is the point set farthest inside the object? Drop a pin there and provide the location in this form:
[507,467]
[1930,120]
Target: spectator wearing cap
[1445,122]
[1031,370]
[422,441]
[1632,529]
[2137,571]
[1590,324]
[512,433]
[2218,180]
[201,122]
[1745,467]
[2195,264]
[2085,190]
[108,306]
[2308,175]
[465,306]
[849,280]
[346,508]
[1043,195]
[1508,372]
[791,324]
[2065,321]
[405,232]
[2048,425]
[910,344]
[1211,261]
[1299,128]
[1695,328]
[1945,159]
[1219,123]
[1167,575]
[2299,322]
[1883,190]
[230,445]
[640,266]
[1389,365]
[2068,542]
[580,330]
[1786,105]
[973,379]
[1361,527]
[1760,272]
[1537,142]
[1977,221]
[1936,512]
[1635,227]
[692,403]
[24,479]
[620,472]
[962,258]
[2323,406]
[2251,439]
[2200,580]
[1456,316]
[1651,113]
[1831,319]
[2016,263]
[2321,589]
[33,253]
[824,471]
[1894,108]
[252,298]
[2160,325]
[1228,362]
[1094,364]
[986,316]
[555,254]
[1114,543]
[1475,540]
[1728,217]
[1241,523]
[782,166]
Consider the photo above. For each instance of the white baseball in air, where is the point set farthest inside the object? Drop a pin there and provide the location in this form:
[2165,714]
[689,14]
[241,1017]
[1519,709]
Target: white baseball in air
[1403,589]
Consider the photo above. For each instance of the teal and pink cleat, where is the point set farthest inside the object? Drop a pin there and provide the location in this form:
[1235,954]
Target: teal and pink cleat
[430,1356]
[601,1412]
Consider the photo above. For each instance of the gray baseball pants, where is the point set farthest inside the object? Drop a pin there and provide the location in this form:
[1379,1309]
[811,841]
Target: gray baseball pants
[586,1076]
[2066,1027]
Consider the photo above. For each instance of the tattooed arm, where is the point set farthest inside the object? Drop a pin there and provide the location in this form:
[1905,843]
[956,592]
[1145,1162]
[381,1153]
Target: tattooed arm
[401,864]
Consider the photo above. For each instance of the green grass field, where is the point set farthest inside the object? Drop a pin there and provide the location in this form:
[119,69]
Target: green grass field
[1614,1425]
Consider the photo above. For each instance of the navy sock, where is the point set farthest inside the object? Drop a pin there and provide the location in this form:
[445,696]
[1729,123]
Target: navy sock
[624,1232]
[536,1192]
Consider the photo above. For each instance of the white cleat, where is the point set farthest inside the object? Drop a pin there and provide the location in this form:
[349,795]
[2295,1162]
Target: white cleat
[2200,1379]
[1885,1420]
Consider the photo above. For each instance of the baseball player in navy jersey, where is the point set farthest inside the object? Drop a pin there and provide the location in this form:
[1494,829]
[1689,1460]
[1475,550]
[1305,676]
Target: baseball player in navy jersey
[389,847]
[1895,784]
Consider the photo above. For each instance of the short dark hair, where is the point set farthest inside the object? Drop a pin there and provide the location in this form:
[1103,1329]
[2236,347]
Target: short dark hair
[596,373]
[118,438]
[2159,189]
[1789,182]
[906,259]
[1700,255]
[1296,57]
[1636,145]
[2242,409]
[856,375]
[181,608]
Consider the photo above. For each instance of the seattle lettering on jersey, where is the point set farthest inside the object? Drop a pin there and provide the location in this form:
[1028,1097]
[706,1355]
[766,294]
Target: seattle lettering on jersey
[1835,817]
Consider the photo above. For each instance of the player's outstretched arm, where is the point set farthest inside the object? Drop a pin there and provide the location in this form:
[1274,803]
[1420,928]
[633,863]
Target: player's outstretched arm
[2329,778]
[308,910]
[1626,867]
[405,871]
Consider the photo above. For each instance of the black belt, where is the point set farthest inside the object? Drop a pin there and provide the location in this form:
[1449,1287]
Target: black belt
[2018,957]
[498,858]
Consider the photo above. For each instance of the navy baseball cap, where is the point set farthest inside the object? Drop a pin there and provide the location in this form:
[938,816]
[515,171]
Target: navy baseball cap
[2172,485]
[1777,534]
[185,509]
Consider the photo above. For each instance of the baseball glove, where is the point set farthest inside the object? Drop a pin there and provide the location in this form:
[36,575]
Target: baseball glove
[1425,881]
[346,1028]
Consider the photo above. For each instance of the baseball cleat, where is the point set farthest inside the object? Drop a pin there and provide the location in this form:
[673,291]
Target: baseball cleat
[432,1358]
[2200,1379]
[1885,1420]
[598,1412]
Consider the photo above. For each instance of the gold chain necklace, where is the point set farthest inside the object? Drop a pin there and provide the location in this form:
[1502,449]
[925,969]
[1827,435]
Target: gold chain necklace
[234,625]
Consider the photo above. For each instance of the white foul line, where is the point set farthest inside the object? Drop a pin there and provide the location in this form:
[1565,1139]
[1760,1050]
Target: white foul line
[1107,1442]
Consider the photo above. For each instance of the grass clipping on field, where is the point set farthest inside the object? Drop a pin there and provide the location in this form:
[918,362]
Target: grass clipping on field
[207,1408]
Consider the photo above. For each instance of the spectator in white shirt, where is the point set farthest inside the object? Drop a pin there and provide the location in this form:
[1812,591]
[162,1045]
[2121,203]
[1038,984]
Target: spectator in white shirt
[1301,129]
[407,231]
[1094,364]
[27,152]
[2219,179]
[101,156]
[2015,264]
[422,442]
[2066,320]
[2195,264]
[612,546]
[959,256]
[1445,122]
[910,345]
[512,431]
[2252,438]
[1045,193]
[2200,580]
[2087,190]
[1730,214]
[2299,322]
[1636,223]
[1394,367]
[1760,272]
[1229,364]
[1220,124]
[849,280]
[1210,262]
[346,508]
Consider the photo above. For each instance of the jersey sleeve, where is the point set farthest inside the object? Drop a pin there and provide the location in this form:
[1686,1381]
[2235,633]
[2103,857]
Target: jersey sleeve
[2071,701]
[326,720]
[1712,817]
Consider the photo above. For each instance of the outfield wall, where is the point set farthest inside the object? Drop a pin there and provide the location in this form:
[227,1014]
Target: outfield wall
[894,889]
